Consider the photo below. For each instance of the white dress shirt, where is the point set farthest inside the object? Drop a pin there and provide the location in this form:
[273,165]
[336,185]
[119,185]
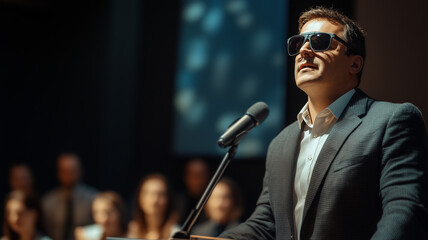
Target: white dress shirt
[313,138]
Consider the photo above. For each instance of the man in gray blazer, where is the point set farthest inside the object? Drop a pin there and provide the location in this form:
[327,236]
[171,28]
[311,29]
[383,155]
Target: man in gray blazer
[69,205]
[350,167]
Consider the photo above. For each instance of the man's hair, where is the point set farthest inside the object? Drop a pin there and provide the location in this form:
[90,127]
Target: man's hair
[354,34]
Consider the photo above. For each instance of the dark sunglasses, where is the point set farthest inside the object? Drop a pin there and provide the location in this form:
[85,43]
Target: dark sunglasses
[319,41]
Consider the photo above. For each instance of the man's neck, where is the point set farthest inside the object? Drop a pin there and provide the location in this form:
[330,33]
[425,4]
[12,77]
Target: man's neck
[319,103]
[68,190]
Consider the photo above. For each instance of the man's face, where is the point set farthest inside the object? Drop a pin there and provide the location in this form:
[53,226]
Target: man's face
[323,74]
[68,170]
[21,178]
[196,178]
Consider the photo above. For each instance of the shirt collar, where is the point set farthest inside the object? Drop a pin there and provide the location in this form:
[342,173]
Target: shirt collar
[304,115]
[336,108]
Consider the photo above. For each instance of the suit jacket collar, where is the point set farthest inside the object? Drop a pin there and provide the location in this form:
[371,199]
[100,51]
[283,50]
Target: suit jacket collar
[347,123]
[359,103]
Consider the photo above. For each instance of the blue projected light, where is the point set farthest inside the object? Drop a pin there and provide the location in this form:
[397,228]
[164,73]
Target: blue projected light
[231,55]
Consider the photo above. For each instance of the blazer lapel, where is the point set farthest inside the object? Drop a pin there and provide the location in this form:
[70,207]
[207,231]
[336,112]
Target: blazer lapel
[294,148]
[284,167]
[337,137]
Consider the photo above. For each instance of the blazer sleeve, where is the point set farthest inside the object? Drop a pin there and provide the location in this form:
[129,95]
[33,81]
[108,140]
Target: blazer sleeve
[403,177]
[260,225]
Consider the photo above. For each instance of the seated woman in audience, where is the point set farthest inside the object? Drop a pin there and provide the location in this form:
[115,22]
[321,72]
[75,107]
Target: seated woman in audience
[108,212]
[224,208]
[154,217]
[22,217]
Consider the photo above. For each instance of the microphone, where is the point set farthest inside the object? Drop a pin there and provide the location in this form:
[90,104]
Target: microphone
[255,115]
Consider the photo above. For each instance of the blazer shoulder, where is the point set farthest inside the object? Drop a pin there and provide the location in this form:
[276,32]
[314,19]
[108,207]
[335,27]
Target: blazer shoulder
[281,136]
[395,109]
[361,104]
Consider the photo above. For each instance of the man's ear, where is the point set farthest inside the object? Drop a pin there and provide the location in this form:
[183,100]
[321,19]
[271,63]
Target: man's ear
[356,64]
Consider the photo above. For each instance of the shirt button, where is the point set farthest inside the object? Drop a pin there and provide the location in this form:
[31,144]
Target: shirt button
[309,158]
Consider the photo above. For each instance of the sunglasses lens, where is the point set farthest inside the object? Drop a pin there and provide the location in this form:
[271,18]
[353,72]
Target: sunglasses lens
[320,42]
[294,44]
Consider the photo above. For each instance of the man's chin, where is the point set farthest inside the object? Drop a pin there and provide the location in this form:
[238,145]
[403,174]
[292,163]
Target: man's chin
[306,81]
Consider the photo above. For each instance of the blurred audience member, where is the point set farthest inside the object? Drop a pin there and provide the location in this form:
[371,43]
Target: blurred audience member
[109,214]
[196,178]
[154,215]
[21,178]
[68,206]
[22,218]
[224,208]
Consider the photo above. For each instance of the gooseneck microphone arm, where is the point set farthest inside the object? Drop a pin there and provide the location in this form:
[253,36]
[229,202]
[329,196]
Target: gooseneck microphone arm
[184,233]
[255,115]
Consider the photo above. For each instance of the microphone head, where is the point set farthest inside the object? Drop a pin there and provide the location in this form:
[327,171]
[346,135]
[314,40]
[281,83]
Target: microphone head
[258,111]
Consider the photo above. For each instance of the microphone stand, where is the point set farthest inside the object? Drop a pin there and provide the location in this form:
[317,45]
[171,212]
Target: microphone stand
[184,233]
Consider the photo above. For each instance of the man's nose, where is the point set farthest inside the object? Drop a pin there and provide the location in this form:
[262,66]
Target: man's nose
[306,50]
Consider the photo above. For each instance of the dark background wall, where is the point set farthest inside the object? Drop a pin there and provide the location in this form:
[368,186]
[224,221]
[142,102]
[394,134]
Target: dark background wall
[97,77]
[396,67]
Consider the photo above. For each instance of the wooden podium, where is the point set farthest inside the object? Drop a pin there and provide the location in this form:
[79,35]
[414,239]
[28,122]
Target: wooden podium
[192,237]
[196,237]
